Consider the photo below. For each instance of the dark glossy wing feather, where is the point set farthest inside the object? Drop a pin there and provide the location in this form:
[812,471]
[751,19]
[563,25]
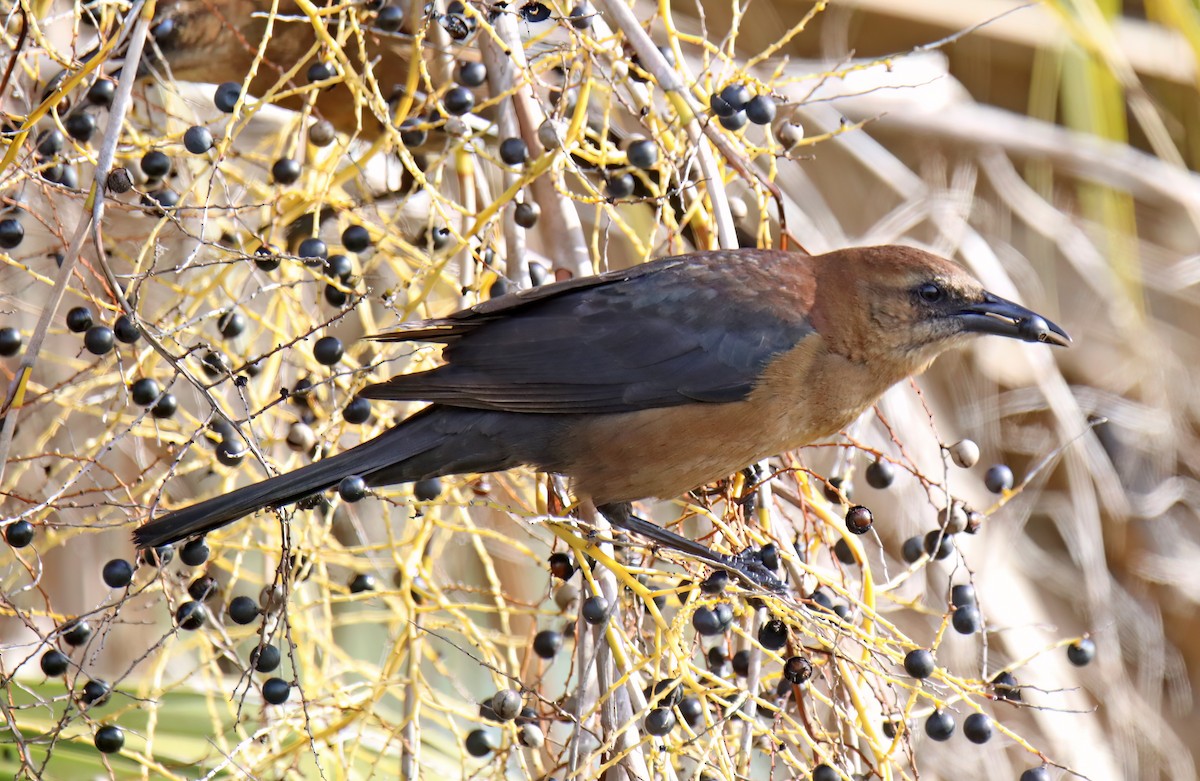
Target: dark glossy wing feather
[668,332]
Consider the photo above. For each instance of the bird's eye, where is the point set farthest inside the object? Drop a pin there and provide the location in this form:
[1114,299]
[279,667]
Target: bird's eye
[535,12]
[931,292]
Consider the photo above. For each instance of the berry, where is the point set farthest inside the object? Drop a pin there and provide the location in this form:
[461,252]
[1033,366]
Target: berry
[741,663]
[619,186]
[231,324]
[390,18]
[859,520]
[912,550]
[76,633]
[203,588]
[95,692]
[231,452]
[458,101]
[266,259]
[338,267]
[10,341]
[844,553]
[144,391]
[998,479]
[880,474]
[736,95]
[966,620]
[427,490]
[659,722]
[938,544]
[769,556]
[547,643]
[773,635]
[526,214]
[977,728]
[939,725]
[506,704]
[919,663]
[736,121]
[319,71]
[479,743]
[328,350]
[356,238]
[190,616]
[1006,687]
[471,74]
[119,181]
[265,659]
[720,107]
[595,610]
[157,557]
[322,133]
[965,453]
[156,164]
[197,139]
[797,670]
[562,566]
[194,552]
[334,296]
[101,93]
[761,110]
[125,330]
[12,233]
[54,662]
[962,595]
[18,534]
[824,772]
[1036,774]
[724,615]
[227,96]
[715,583]
[243,610]
[580,15]
[80,126]
[357,411]
[1081,652]
[411,134]
[117,573]
[285,171]
[362,583]
[79,319]
[275,691]
[642,153]
[312,249]
[109,739]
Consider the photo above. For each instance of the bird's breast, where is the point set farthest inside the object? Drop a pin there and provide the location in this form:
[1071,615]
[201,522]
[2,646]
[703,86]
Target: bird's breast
[803,396]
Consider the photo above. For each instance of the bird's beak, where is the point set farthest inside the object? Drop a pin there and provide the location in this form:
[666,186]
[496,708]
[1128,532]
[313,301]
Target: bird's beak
[995,315]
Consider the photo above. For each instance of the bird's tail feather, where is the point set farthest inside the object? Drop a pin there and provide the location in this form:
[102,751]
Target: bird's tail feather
[392,451]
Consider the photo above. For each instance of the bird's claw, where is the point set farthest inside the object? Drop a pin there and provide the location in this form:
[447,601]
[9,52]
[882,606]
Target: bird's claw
[751,570]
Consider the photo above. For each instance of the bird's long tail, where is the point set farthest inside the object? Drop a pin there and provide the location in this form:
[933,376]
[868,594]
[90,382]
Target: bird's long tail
[436,441]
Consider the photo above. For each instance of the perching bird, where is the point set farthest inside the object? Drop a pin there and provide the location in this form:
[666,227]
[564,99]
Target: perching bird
[652,381]
[215,41]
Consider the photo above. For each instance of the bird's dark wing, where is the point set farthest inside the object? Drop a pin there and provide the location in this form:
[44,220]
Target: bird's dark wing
[672,331]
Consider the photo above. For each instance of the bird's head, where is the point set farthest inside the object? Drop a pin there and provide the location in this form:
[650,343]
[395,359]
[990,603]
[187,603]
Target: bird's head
[907,302]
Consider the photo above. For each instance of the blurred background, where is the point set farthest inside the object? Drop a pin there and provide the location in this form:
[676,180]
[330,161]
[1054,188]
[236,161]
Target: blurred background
[1051,148]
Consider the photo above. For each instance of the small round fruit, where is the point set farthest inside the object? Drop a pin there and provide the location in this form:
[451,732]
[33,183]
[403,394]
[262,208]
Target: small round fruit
[10,341]
[362,583]
[95,692]
[328,350]
[966,620]
[99,339]
[197,139]
[109,739]
[735,121]
[54,662]
[736,95]
[194,552]
[824,772]
[79,319]
[939,725]
[479,743]
[156,164]
[81,126]
[285,171]
[390,18]
[962,595]
[953,520]
[706,622]
[227,96]
[506,704]
[562,566]
[692,711]
[144,391]
[12,233]
[471,74]
[231,452]
[319,71]
[313,249]
[411,133]
[919,663]
[977,728]
[275,691]
[458,101]
[427,490]
[761,110]
[797,670]
[357,411]
[1036,774]
[165,406]
[356,238]
[231,324]
[859,520]
[938,544]
[880,474]
[642,153]
[769,556]
[844,553]
[547,643]
[513,151]
[203,587]
[265,659]
[117,573]
[190,616]
[526,214]
[998,479]
[619,186]
[243,610]
[912,550]
[18,534]
[76,633]
[660,722]
[595,610]
[335,296]
[1081,652]
[773,634]
[125,330]
[338,266]
[965,453]
[715,583]
[1006,687]
[157,557]
[724,615]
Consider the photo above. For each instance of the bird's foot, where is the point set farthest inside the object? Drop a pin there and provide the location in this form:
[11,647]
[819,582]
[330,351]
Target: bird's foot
[749,567]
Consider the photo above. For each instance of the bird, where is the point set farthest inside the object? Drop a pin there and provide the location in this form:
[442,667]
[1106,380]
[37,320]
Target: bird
[217,41]
[654,380]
